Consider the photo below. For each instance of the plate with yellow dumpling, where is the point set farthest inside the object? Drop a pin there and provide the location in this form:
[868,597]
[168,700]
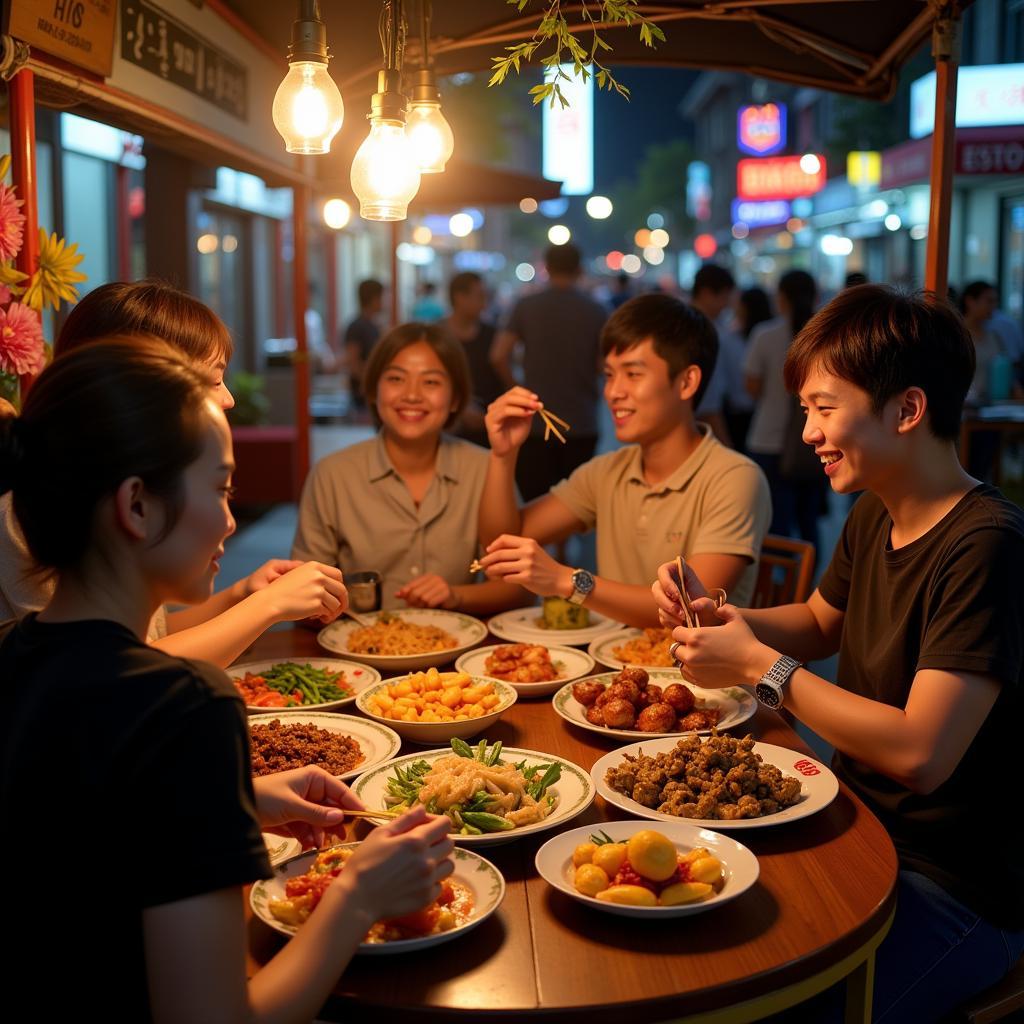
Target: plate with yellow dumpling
[630,869]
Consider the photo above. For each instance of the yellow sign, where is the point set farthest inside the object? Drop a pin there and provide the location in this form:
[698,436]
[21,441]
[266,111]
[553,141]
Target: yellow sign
[78,31]
[864,167]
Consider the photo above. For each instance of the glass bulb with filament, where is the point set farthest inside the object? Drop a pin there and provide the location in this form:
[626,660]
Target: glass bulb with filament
[385,175]
[431,136]
[308,109]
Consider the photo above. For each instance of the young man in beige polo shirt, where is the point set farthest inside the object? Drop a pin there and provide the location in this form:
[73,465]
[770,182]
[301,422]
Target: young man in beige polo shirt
[671,490]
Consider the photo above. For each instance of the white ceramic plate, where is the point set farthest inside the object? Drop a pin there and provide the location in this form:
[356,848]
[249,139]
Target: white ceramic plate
[468,632]
[357,676]
[818,786]
[735,705]
[432,733]
[602,650]
[575,791]
[739,865]
[280,848]
[377,742]
[479,875]
[520,626]
[569,663]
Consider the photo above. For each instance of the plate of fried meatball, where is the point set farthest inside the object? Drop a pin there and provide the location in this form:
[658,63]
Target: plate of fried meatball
[636,702]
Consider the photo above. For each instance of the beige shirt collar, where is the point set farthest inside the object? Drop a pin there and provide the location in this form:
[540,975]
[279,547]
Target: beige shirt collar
[683,473]
[380,465]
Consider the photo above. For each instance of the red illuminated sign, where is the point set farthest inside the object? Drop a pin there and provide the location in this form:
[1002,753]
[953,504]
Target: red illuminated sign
[761,130]
[781,177]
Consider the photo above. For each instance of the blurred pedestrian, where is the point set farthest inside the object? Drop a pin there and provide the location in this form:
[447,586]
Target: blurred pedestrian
[361,335]
[714,290]
[977,304]
[854,279]
[556,332]
[794,474]
[468,296]
[426,309]
[753,307]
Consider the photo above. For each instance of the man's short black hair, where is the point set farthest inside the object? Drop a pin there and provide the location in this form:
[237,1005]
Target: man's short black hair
[462,283]
[680,334]
[562,259]
[885,341]
[713,278]
[369,292]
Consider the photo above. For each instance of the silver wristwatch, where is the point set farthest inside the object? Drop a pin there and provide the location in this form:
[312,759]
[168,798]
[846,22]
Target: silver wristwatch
[769,687]
[582,585]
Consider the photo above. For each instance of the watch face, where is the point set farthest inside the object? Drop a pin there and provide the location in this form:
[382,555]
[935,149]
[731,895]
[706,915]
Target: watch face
[583,581]
[767,695]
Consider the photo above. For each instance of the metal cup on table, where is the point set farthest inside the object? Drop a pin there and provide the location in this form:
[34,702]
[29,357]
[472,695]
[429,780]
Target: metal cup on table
[363,590]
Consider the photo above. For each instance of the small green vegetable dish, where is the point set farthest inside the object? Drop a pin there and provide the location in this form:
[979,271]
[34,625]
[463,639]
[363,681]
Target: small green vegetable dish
[478,791]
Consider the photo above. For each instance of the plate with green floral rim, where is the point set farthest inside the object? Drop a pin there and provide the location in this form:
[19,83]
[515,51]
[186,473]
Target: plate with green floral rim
[464,629]
[354,676]
[568,662]
[735,705]
[603,649]
[377,742]
[280,848]
[479,875]
[574,791]
[526,626]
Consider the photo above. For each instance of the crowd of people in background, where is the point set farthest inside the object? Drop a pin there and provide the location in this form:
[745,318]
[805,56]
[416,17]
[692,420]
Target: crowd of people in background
[547,340]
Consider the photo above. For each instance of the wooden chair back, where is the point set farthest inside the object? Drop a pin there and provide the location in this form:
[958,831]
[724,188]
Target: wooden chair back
[784,573]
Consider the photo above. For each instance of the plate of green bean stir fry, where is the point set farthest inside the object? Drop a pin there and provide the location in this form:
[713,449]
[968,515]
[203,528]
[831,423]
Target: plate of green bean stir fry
[320,684]
[491,793]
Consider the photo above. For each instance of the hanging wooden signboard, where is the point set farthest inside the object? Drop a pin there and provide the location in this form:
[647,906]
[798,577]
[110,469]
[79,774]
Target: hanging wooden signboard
[78,31]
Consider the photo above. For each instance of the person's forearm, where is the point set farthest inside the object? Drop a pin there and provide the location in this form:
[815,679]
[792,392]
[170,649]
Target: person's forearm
[499,509]
[791,629]
[222,639]
[296,982]
[213,606]
[876,734]
[490,597]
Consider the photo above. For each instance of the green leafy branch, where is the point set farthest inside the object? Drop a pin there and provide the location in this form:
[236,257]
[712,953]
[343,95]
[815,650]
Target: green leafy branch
[585,62]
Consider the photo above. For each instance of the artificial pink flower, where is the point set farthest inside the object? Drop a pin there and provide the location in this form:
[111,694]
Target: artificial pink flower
[5,295]
[12,224]
[21,340]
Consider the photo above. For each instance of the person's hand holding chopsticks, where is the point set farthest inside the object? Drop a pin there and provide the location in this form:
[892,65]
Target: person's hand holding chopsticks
[509,418]
[522,560]
[667,595]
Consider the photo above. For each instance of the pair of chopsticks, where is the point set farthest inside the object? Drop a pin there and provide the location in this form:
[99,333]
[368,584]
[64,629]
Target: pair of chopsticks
[552,423]
[692,622]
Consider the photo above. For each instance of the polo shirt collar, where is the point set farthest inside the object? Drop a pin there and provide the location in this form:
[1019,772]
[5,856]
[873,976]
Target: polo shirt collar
[683,473]
[380,465]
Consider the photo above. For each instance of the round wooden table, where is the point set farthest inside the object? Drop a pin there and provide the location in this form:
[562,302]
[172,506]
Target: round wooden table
[822,904]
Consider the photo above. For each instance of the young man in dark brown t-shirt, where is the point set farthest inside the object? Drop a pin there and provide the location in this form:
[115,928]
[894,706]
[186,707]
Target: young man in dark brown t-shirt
[924,604]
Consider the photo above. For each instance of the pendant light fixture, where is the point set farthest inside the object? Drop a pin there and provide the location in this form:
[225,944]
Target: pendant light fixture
[308,109]
[385,174]
[431,134]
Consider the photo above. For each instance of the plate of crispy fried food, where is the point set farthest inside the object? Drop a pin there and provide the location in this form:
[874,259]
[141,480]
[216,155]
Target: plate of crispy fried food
[635,702]
[535,670]
[717,781]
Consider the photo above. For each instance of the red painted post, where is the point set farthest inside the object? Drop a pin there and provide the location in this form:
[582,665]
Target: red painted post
[21,93]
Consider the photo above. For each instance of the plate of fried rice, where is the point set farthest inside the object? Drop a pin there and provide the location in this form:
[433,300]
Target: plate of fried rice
[404,640]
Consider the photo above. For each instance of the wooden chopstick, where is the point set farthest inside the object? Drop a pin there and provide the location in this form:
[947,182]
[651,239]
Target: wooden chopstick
[558,420]
[549,426]
[372,814]
[475,565]
[684,597]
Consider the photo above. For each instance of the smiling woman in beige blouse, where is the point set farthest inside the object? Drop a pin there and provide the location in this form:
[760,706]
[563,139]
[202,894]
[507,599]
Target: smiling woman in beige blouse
[405,502]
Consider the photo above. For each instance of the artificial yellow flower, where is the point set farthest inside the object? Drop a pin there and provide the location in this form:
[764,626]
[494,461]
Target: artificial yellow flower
[56,277]
[11,278]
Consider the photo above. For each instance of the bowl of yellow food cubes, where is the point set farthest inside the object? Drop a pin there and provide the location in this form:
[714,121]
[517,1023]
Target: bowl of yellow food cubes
[434,707]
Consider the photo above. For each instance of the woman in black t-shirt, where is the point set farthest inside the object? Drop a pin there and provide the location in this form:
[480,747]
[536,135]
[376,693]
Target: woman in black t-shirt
[126,769]
[923,603]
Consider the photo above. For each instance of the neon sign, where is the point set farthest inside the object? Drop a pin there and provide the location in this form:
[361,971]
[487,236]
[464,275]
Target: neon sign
[761,130]
[781,177]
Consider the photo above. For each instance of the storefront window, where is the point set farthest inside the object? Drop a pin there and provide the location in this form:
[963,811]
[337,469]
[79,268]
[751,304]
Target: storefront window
[1012,263]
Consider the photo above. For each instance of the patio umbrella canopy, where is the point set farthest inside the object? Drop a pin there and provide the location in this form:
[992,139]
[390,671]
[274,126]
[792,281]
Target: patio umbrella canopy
[851,46]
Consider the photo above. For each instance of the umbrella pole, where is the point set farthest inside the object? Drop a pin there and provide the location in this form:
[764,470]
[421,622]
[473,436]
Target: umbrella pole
[945,49]
[300,298]
[23,173]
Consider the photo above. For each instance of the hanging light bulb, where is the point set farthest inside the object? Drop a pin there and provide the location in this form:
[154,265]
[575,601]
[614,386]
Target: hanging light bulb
[431,134]
[308,109]
[385,174]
